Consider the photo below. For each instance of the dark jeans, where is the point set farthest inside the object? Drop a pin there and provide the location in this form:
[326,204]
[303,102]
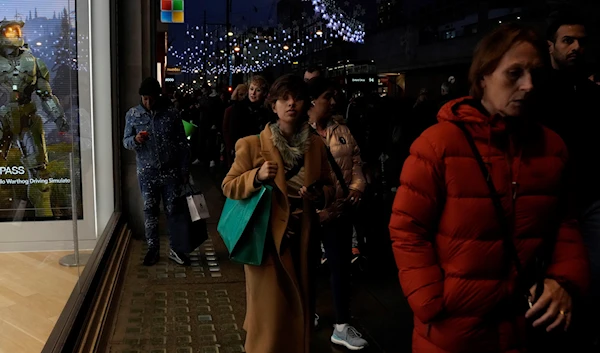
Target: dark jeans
[337,241]
[361,221]
[154,187]
[590,229]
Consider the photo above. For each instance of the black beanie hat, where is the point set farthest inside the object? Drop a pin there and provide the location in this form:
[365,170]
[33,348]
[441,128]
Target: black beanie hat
[150,87]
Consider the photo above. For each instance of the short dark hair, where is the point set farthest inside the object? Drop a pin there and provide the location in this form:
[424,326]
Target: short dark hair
[150,87]
[312,69]
[562,17]
[319,85]
[493,46]
[287,85]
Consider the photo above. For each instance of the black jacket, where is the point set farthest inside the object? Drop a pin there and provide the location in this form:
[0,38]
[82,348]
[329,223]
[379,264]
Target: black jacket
[247,119]
[569,105]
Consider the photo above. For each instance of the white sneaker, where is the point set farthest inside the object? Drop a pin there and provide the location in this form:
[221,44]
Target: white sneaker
[179,258]
[350,338]
[196,162]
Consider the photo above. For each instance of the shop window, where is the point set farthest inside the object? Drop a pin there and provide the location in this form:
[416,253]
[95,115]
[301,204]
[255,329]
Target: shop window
[47,176]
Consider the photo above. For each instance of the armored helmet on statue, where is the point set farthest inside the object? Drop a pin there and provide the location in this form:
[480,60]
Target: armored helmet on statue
[11,35]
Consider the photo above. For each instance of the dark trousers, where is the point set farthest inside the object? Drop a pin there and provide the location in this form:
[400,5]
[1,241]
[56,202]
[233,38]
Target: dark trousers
[154,187]
[361,222]
[337,241]
[590,229]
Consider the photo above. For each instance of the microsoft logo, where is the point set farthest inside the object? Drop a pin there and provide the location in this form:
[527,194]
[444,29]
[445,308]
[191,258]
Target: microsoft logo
[171,11]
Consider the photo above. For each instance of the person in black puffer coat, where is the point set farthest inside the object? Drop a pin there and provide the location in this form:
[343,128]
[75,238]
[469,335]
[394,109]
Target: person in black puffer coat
[249,116]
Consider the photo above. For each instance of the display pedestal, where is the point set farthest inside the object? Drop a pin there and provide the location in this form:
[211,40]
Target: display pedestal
[71,260]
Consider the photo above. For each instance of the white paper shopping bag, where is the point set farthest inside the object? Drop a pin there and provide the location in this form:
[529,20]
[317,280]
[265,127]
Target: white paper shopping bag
[197,206]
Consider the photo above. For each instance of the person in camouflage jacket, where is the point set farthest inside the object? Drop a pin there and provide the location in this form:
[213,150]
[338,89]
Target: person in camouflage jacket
[156,134]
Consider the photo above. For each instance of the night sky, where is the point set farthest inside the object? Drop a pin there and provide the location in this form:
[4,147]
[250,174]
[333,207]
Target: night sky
[240,9]
[244,13]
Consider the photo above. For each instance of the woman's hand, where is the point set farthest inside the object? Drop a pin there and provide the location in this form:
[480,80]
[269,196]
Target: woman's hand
[314,194]
[335,211]
[556,303]
[267,171]
[354,197]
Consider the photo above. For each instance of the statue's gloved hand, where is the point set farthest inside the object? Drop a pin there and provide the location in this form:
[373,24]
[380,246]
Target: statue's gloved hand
[62,124]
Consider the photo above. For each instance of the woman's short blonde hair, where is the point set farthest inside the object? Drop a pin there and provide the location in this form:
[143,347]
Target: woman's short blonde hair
[239,92]
[259,81]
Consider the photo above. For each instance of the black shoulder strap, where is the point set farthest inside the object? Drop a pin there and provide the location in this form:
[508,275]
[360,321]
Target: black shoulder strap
[335,167]
[337,171]
[295,169]
[509,245]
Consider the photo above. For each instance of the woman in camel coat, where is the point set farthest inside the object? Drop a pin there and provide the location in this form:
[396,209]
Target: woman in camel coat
[280,310]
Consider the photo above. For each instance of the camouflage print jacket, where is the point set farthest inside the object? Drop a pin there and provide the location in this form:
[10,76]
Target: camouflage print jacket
[166,149]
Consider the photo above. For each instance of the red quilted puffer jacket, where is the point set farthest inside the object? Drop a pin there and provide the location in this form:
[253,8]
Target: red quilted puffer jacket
[446,238]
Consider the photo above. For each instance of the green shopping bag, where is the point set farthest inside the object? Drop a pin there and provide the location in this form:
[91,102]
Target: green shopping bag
[244,224]
[189,128]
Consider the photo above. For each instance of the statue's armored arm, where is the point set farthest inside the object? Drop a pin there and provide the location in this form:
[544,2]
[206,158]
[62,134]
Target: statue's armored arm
[50,102]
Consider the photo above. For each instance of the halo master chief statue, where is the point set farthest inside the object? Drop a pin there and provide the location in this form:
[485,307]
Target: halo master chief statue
[22,74]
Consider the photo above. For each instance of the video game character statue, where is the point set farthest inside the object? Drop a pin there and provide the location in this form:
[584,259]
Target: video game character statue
[22,74]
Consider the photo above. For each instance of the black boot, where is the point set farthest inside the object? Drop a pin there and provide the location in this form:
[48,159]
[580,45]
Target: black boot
[152,256]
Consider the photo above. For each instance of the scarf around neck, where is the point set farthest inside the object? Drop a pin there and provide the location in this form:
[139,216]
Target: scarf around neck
[292,151]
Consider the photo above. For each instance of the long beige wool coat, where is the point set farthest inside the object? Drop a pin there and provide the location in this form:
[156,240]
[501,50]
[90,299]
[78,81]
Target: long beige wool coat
[280,310]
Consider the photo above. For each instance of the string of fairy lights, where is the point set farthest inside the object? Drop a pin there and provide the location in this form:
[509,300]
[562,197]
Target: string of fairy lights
[249,52]
[55,41]
[255,50]
[55,54]
[348,28]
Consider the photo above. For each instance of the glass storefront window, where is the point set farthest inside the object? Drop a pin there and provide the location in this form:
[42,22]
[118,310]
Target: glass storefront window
[47,177]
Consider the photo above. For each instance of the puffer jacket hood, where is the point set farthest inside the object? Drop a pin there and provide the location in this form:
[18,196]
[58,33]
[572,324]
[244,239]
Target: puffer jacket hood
[462,109]
[492,130]
[470,111]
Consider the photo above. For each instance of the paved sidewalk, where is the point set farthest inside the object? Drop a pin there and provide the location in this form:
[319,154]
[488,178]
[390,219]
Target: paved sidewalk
[200,309]
[170,308]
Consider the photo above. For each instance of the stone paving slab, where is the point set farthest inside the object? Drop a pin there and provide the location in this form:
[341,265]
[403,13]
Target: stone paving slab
[160,310]
[168,308]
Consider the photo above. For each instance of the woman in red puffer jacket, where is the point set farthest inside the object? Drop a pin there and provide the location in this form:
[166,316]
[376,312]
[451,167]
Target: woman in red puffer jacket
[452,254]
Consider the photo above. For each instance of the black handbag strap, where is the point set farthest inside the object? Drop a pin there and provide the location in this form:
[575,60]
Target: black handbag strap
[189,190]
[337,171]
[335,167]
[509,245]
[295,169]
